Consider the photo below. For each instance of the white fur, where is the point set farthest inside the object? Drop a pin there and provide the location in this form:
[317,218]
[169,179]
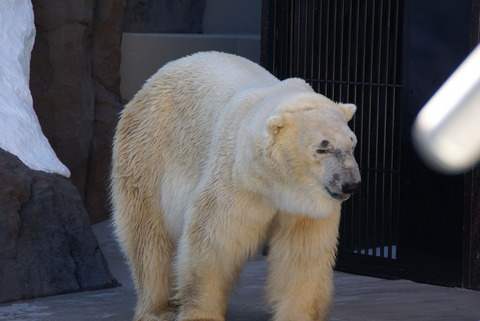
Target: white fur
[212,157]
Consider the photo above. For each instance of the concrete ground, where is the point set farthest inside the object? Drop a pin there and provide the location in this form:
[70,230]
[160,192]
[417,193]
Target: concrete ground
[357,298]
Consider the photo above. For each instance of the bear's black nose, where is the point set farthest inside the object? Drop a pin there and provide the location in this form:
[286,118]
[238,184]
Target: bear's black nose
[350,188]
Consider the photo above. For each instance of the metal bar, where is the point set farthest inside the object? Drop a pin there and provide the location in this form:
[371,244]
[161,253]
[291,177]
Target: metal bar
[342,32]
[327,33]
[276,53]
[278,39]
[297,26]
[398,117]
[291,24]
[312,37]
[282,48]
[349,41]
[387,212]
[359,71]
[320,42]
[307,44]
[356,100]
[348,17]
[288,42]
[334,45]
[364,75]
[283,39]
[373,124]
[380,179]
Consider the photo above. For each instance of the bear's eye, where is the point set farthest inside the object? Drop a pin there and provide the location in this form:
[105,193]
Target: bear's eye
[322,151]
[324,147]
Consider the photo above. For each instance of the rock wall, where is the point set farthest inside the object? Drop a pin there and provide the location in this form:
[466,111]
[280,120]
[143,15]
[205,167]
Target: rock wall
[47,245]
[75,87]
[46,242]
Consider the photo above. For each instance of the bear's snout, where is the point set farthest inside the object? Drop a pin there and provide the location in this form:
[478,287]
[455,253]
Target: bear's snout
[352,187]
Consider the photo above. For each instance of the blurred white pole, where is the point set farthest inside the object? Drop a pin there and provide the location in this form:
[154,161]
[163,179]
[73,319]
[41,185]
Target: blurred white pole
[446,132]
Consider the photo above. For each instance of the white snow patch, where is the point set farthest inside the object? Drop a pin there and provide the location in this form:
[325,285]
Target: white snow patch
[20,131]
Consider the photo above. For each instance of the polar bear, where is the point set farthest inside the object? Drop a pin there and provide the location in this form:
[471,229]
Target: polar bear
[215,156]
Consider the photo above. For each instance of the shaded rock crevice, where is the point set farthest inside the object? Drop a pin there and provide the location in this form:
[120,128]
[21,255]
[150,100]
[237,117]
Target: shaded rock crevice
[75,84]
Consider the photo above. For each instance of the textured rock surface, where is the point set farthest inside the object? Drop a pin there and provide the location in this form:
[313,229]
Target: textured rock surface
[75,88]
[47,245]
[21,132]
[164,16]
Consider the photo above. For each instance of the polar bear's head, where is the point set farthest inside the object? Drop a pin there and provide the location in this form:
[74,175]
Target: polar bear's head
[311,151]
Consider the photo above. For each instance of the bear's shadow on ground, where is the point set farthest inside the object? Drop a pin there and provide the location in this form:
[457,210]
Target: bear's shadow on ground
[247,302]
[248,313]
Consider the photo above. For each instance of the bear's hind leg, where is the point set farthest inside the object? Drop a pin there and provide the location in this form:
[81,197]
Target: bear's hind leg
[149,250]
[153,275]
[301,259]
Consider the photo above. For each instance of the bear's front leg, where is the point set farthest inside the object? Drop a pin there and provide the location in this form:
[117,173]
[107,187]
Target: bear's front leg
[301,259]
[214,248]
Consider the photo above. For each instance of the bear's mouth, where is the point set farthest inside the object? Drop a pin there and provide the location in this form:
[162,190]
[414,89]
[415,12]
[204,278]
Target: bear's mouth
[338,196]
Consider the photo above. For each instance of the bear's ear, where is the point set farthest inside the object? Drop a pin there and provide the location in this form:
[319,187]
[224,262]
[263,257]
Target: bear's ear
[274,124]
[347,110]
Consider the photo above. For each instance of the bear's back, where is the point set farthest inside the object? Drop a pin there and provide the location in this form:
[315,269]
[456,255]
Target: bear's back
[188,97]
[172,122]
[224,71]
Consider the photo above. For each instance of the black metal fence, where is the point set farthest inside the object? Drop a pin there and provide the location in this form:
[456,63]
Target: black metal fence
[350,51]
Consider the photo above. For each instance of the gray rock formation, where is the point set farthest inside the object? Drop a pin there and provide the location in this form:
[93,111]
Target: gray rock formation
[47,245]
